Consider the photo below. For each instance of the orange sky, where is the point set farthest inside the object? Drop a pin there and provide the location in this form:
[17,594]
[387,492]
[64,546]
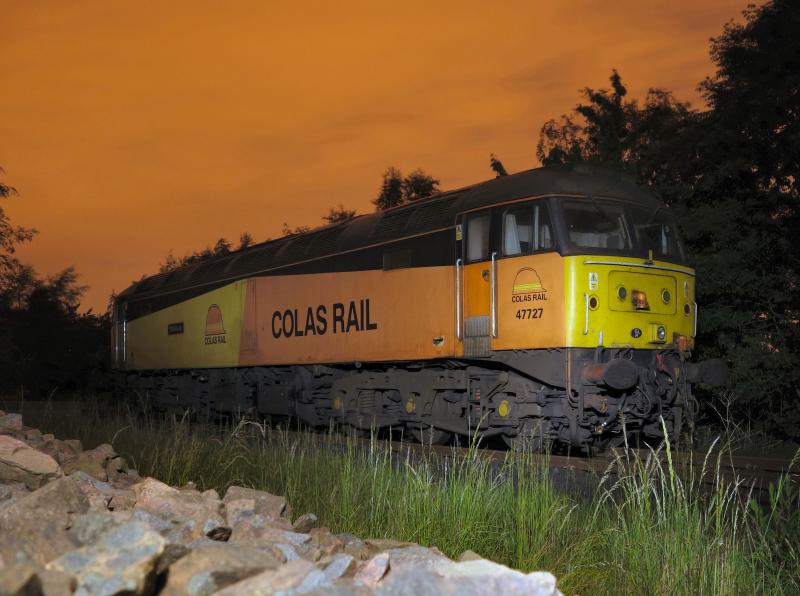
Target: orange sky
[134,128]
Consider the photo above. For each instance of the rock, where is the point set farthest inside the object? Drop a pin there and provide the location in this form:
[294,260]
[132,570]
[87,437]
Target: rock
[11,492]
[122,500]
[10,423]
[101,454]
[340,565]
[123,561]
[244,503]
[296,577]
[90,527]
[354,546]
[84,463]
[325,543]
[203,514]
[21,463]
[253,533]
[61,451]
[377,545]
[33,436]
[416,557]
[56,583]
[34,527]
[413,582]
[20,579]
[373,571]
[115,467]
[287,550]
[73,446]
[101,494]
[484,577]
[211,568]
[305,523]
[469,555]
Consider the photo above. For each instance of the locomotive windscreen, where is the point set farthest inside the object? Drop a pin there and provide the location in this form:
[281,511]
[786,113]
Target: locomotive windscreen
[621,228]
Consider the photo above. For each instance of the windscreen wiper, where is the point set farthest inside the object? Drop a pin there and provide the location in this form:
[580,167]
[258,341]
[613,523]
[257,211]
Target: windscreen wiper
[599,208]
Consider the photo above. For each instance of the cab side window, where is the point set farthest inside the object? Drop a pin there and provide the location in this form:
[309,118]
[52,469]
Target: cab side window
[527,229]
[478,237]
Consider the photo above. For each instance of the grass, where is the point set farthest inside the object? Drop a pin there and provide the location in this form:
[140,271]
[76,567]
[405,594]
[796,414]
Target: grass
[646,530]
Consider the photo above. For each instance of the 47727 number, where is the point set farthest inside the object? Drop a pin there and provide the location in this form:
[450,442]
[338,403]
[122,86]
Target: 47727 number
[529,313]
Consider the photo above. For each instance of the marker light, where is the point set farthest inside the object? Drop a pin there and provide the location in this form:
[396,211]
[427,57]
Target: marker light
[686,309]
[639,300]
[622,293]
[666,296]
[593,302]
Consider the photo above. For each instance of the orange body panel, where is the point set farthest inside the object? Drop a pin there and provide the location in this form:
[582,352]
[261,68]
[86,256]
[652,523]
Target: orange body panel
[404,314]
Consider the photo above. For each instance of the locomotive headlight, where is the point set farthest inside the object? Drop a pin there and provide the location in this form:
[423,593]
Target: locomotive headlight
[622,293]
[666,296]
[658,333]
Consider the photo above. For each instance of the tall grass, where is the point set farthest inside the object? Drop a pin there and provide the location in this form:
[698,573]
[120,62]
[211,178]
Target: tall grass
[646,530]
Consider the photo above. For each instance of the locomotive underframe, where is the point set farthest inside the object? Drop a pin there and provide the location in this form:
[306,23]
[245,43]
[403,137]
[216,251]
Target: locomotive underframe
[576,396]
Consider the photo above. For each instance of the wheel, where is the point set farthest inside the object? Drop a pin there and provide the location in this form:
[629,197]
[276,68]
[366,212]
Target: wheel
[532,436]
[428,435]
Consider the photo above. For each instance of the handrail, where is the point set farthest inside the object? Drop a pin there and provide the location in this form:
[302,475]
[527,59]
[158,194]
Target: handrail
[458,299]
[493,290]
[694,332]
[586,315]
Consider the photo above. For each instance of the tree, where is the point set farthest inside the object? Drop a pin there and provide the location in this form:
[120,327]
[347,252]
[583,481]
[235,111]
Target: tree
[730,174]
[398,190]
[10,237]
[245,241]
[391,194]
[339,214]
[287,231]
[603,130]
[222,247]
[497,166]
[419,185]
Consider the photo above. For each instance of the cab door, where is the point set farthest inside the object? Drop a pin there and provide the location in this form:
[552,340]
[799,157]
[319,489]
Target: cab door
[477,269]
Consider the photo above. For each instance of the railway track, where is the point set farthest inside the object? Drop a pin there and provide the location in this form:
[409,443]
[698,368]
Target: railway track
[757,472]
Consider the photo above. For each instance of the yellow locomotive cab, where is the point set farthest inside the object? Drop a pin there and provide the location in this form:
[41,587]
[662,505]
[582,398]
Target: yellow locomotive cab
[554,305]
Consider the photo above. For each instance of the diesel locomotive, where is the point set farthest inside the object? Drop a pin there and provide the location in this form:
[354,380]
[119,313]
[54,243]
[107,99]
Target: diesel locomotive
[552,305]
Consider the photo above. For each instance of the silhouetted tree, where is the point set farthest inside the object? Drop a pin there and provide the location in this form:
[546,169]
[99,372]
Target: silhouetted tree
[10,237]
[397,190]
[497,166]
[287,231]
[731,175]
[245,241]
[391,194]
[222,247]
[419,185]
[339,214]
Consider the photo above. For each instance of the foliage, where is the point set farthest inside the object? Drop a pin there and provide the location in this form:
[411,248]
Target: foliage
[497,166]
[645,529]
[44,342]
[399,190]
[245,241]
[287,231]
[730,175]
[221,247]
[339,214]
[10,237]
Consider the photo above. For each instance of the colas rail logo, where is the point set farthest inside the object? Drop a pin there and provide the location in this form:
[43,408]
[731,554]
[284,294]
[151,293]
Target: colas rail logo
[528,286]
[215,328]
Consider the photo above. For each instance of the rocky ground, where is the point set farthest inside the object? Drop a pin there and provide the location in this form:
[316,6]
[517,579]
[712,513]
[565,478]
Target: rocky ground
[81,521]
